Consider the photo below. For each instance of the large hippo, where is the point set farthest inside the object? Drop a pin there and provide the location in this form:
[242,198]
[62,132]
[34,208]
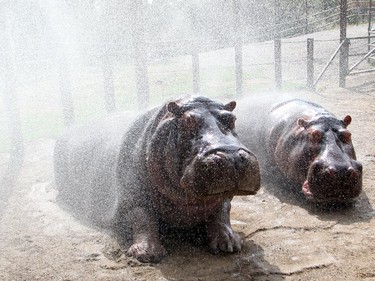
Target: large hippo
[303,143]
[179,164]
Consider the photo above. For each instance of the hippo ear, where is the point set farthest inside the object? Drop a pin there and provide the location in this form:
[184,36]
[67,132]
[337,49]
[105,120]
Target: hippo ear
[347,120]
[302,123]
[174,108]
[230,106]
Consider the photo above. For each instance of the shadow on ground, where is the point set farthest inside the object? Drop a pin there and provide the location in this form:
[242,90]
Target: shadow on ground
[357,210]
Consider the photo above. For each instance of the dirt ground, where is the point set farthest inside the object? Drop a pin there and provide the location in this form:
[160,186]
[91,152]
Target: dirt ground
[285,238]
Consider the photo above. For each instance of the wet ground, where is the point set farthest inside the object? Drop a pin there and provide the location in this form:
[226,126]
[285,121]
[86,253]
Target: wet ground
[285,238]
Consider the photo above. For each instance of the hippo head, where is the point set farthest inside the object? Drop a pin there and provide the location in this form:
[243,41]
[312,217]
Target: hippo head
[202,155]
[322,159]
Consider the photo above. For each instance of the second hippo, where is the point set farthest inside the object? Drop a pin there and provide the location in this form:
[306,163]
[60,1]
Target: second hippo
[300,141]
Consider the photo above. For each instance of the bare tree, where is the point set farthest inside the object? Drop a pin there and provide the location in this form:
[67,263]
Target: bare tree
[8,77]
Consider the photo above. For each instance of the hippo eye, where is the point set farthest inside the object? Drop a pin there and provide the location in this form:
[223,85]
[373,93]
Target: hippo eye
[315,136]
[228,120]
[345,136]
[190,123]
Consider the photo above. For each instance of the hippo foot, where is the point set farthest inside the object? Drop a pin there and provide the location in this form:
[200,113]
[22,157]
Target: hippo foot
[222,238]
[147,251]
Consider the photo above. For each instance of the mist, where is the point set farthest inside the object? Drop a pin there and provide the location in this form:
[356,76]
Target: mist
[68,62]
[65,62]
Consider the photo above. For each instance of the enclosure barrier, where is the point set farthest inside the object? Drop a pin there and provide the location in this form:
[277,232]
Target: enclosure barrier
[310,64]
[278,31]
[330,61]
[350,72]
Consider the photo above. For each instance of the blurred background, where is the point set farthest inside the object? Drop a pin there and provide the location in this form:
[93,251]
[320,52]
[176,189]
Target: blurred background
[67,61]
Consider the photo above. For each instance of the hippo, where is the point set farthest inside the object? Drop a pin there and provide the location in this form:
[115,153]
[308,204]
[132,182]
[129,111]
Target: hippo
[178,164]
[300,142]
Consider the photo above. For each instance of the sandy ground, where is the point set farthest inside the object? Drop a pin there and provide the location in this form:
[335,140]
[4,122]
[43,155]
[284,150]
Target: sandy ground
[284,236]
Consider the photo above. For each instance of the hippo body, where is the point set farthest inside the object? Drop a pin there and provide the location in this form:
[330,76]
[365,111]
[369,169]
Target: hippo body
[300,142]
[180,164]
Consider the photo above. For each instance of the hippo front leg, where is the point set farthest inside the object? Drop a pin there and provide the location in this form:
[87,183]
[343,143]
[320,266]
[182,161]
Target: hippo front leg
[221,236]
[146,242]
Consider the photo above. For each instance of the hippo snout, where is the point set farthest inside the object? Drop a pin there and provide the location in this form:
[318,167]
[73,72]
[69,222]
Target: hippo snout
[223,170]
[334,181]
[236,168]
[233,169]
[351,169]
[349,172]
[244,158]
[239,158]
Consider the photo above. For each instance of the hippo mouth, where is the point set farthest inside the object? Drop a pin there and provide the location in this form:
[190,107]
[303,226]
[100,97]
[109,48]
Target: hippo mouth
[337,183]
[220,188]
[346,194]
[306,190]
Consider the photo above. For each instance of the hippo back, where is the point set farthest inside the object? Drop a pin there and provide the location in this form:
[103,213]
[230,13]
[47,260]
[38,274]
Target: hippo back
[253,120]
[86,156]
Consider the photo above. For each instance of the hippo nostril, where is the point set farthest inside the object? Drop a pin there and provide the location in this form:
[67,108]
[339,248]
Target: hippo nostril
[359,167]
[243,155]
[220,154]
[317,166]
[351,172]
[331,171]
[241,160]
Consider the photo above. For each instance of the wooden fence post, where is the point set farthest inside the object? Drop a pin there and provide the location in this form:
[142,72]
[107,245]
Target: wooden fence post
[344,51]
[306,27]
[369,27]
[15,135]
[195,50]
[195,66]
[344,63]
[8,75]
[278,66]
[140,54]
[277,47]
[65,90]
[109,88]
[310,64]
[238,48]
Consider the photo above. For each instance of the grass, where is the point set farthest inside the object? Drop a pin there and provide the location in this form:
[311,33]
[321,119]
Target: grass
[40,105]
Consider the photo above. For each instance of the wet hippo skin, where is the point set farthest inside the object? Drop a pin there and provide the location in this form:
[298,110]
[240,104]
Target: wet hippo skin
[300,141]
[178,164]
